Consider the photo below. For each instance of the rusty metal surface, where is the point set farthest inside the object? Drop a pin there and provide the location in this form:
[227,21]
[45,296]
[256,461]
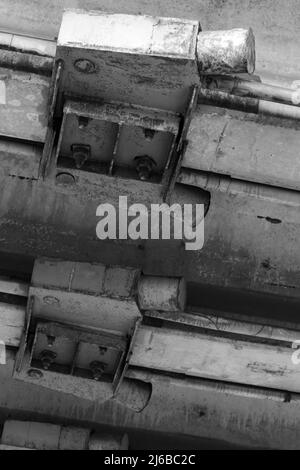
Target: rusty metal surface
[129,115]
[118,132]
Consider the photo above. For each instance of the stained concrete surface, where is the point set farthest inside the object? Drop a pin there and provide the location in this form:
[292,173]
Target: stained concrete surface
[275,23]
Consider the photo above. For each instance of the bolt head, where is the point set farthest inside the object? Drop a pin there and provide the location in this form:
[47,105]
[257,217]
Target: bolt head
[85,66]
[50,340]
[97,369]
[144,167]
[83,122]
[47,357]
[102,350]
[35,374]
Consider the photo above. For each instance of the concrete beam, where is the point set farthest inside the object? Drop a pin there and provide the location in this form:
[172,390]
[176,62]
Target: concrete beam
[274,27]
[266,154]
[244,147]
[241,420]
[249,230]
[237,355]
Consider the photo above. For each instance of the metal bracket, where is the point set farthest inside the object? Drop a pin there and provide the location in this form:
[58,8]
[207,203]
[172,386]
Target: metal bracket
[55,353]
[74,339]
[129,114]
[111,138]
[181,145]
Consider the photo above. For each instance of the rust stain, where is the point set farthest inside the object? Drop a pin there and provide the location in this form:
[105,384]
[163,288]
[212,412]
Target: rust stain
[265,368]
[270,219]
[219,152]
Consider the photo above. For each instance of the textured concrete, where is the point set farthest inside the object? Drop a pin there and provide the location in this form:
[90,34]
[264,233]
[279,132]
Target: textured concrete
[275,23]
[250,232]
[176,407]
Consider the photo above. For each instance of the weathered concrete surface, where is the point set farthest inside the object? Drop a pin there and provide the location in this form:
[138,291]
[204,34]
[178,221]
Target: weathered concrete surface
[200,355]
[25,163]
[23,105]
[44,436]
[275,23]
[251,231]
[155,66]
[244,146]
[266,153]
[177,406]
[260,362]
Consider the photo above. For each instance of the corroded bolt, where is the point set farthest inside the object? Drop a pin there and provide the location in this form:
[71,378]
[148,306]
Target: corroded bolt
[50,340]
[102,350]
[85,66]
[65,178]
[34,374]
[149,134]
[83,122]
[47,358]
[144,166]
[97,369]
